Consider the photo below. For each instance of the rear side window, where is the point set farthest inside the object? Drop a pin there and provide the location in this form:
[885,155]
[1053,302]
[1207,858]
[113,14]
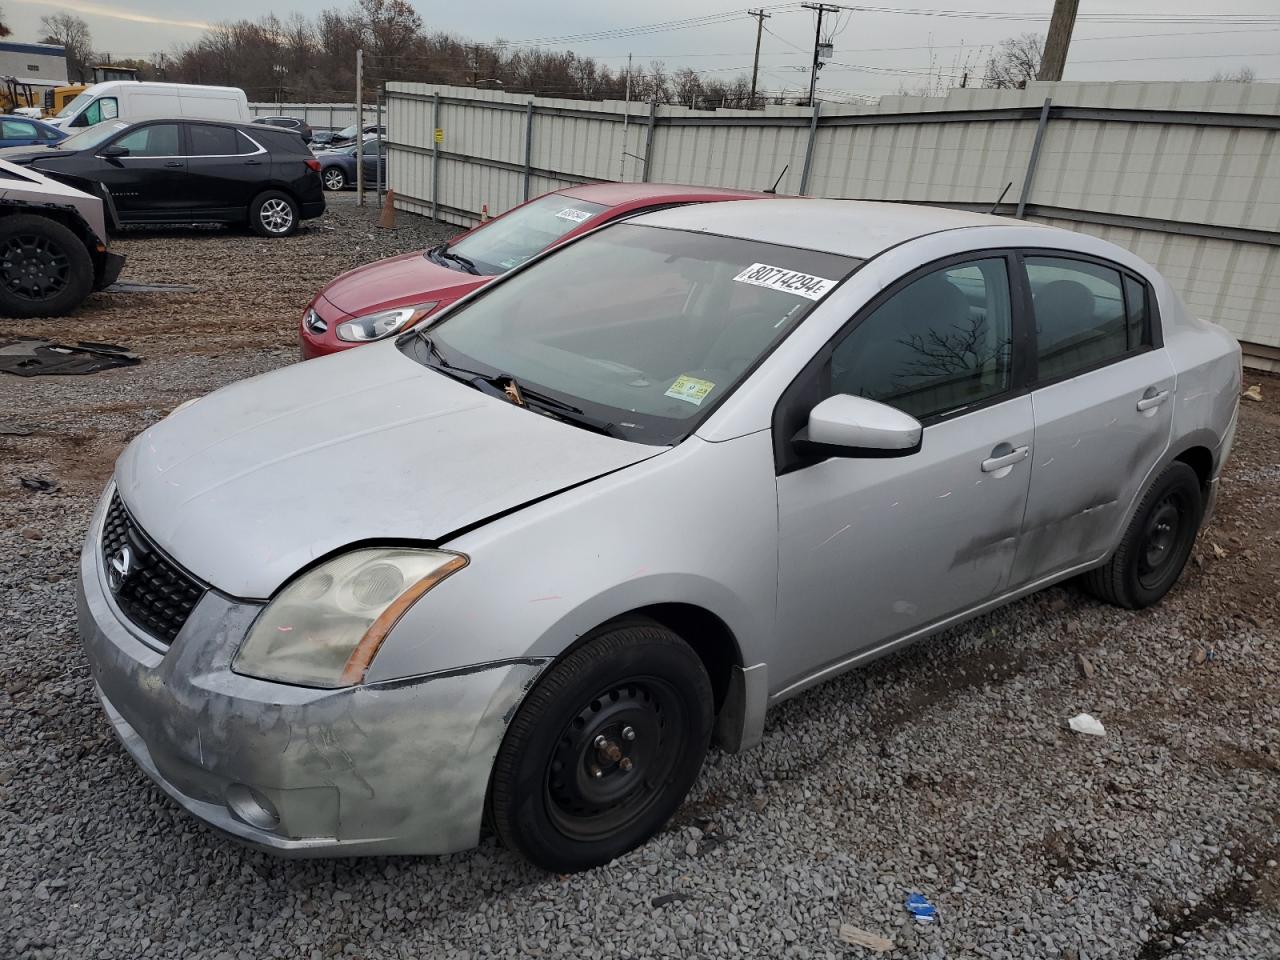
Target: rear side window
[1080,315]
[941,342]
[1137,313]
[210,141]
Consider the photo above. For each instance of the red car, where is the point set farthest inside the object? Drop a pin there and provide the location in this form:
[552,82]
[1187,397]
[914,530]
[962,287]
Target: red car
[383,298]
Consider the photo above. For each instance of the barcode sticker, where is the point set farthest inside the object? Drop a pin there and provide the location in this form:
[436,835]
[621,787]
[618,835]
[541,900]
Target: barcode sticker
[786,281]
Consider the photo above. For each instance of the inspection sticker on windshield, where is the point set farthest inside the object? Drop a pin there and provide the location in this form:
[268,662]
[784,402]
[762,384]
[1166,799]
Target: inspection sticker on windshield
[690,389]
[788,281]
[577,216]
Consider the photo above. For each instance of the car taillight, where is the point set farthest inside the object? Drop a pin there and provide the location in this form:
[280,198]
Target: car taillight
[313,164]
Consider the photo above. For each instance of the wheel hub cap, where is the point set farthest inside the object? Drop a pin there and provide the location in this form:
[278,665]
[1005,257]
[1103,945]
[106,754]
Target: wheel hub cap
[33,267]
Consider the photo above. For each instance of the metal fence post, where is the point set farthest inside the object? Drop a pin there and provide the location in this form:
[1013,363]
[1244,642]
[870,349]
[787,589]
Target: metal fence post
[808,150]
[435,157]
[528,147]
[1035,159]
[381,162]
[648,140]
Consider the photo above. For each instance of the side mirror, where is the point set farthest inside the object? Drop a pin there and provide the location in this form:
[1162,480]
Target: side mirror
[114,150]
[849,426]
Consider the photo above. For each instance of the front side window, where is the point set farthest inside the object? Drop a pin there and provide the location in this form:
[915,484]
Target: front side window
[1080,318]
[104,108]
[17,130]
[208,140]
[640,328]
[154,140]
[528,230]
[940,343]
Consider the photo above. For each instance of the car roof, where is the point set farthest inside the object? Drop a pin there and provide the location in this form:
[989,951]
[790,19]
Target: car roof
[615,194]
[855,228]
[133,120]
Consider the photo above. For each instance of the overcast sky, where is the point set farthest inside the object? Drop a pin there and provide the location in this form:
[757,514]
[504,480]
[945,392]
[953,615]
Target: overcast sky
[1105,47]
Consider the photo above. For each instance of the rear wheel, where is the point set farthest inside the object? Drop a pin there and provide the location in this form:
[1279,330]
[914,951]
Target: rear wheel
[334,178]
[45,270]
[1156,544]
[273,214]
[604,749]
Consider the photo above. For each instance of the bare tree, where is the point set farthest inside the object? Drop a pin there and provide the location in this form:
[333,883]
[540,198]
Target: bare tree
[1015,62]
[4,28]
[68,30]
[1243,75]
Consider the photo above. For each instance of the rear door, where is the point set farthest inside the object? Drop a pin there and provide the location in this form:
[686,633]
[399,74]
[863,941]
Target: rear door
[147,183]
[1103,401]
[225,168]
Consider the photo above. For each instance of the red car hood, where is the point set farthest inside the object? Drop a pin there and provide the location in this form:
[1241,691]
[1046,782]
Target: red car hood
[401,281]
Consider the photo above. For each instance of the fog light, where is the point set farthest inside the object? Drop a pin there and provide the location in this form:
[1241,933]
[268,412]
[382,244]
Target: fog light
[247,804]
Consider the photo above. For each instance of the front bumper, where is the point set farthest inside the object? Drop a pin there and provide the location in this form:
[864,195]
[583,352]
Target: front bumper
[400,766]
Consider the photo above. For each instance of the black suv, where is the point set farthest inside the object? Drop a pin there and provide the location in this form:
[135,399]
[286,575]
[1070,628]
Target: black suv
[189,171]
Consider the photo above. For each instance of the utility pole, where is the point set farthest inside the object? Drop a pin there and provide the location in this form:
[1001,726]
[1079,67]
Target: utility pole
[626,120]
[761,17]
[360,126]
[819,9]
[1055,47]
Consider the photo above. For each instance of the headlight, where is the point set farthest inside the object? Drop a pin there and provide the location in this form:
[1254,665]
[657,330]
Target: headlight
[323,629]
[375,326]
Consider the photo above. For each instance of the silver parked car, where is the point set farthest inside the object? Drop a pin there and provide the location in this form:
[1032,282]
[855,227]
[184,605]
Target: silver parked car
[530,561]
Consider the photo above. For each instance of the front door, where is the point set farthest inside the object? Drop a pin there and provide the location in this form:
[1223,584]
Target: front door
[148,182]
[1103,409]
[871,550]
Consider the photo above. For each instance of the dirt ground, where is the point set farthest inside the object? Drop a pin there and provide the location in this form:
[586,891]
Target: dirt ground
[1161,841]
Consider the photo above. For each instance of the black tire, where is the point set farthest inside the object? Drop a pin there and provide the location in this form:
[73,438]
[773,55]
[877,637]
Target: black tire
[1155,545]
[274,214]
[45,270]
[641,688]
[333,178]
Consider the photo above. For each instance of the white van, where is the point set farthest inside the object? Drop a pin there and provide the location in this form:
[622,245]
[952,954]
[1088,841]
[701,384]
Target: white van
[134,98]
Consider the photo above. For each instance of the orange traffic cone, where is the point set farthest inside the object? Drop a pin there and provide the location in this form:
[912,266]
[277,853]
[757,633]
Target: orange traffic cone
[387,219]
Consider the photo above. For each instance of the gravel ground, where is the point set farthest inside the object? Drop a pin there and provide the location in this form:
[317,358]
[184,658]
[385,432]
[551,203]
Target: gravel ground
[945,769]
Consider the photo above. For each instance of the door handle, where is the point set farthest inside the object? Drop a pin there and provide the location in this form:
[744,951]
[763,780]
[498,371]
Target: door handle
[173,163]
[1152,399]
[992,464]
[253,163]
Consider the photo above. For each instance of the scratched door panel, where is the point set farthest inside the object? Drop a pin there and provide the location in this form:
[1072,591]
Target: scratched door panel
[1094,452]
[871,549]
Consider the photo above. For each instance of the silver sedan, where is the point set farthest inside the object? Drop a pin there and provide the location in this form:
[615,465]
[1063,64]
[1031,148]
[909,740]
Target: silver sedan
[529,562]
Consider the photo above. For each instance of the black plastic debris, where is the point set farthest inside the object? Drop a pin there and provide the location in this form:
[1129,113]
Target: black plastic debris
[33,357]
[125,286]
[38,484]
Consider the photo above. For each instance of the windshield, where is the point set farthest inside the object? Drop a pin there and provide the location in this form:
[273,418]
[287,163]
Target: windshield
[511,240]
[74,105]
[641,328]
[88,139]
[346,133]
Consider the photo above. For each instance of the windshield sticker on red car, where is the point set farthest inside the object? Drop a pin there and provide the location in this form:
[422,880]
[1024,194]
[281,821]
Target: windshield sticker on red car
[786,281]
[577,216]
[690,389]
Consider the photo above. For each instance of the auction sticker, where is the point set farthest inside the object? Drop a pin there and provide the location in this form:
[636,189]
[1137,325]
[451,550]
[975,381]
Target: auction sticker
[690,389]
[787,281]
[577,216]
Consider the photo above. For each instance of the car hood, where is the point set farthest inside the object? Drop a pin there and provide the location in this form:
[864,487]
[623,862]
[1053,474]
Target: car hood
[401,281]
[251,483]
[24,155]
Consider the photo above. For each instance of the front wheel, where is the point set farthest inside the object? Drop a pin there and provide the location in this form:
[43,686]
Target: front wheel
[273,214]
[45,270]
[1155,545]
[333,178]
[604,749]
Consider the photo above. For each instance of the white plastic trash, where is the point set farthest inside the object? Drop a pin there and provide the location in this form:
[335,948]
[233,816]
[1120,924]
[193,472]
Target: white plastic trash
[1083,723]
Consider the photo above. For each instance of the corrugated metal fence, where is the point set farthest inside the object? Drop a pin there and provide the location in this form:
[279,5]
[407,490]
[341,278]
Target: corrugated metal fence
[1184,174]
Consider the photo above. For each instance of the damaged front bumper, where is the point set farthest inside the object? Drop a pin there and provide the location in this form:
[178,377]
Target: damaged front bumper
[400,766]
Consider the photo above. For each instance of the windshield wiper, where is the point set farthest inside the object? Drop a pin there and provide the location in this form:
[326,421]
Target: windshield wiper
[509,388]
[443,252]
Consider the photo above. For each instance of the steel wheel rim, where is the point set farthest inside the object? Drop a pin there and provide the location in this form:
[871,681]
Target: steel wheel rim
[334,179]
[34,267]
[276,215]
[1162,538]
[640,721]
